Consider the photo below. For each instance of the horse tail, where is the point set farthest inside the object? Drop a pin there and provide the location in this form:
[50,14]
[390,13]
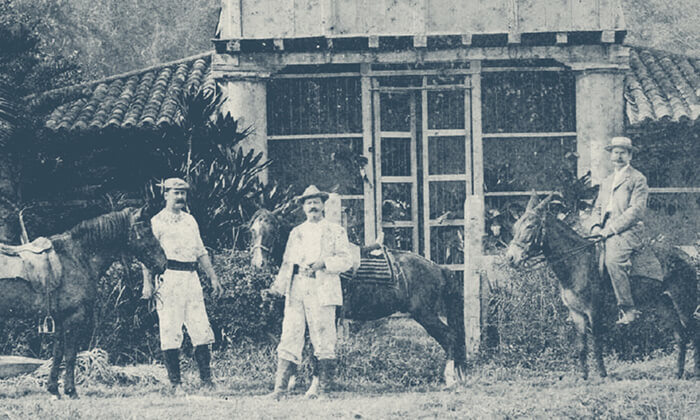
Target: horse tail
[454,305]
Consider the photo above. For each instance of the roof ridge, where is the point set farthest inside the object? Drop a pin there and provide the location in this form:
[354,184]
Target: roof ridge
[662,51]
[72,88]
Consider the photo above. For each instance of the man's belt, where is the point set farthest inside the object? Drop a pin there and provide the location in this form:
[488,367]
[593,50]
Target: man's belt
[181,265]
[303,271]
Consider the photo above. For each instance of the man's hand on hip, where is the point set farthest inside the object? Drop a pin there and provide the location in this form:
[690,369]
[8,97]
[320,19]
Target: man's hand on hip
[318,265]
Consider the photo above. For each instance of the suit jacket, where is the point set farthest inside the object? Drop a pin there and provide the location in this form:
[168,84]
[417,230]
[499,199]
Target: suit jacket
[629,201]
[335,253]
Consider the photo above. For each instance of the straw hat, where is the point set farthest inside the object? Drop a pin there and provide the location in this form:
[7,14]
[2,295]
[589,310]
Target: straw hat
[623,142]
[311,192]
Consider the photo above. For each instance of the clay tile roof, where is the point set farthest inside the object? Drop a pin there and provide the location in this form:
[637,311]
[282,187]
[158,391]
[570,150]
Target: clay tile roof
[661,86]
[142,98]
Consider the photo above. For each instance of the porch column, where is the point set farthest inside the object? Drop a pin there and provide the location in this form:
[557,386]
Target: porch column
[246,99]
[599,116]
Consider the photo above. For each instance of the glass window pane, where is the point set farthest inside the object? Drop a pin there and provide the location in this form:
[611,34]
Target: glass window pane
[399,238]
[327,163]
[446,109]
[521,164]
[396,156]
[395,112]
[528,102]
[447,198]
[314,106]
[446,155]
[396,202]
[447,244]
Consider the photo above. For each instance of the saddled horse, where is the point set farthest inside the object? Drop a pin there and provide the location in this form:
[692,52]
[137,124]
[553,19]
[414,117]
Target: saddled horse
[78,258]
[423,289]
[574,260]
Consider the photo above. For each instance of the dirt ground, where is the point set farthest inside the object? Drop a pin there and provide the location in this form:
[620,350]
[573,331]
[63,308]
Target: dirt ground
[636,390]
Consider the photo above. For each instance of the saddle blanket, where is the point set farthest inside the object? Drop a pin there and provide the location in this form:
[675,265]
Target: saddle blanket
[369,267]
[35,262]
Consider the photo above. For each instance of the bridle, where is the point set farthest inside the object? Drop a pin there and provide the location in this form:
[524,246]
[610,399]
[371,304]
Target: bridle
[533,248]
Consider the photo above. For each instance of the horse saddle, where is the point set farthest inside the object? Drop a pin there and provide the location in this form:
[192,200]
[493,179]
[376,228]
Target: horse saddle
[35,262]
[645,263]
[371,264]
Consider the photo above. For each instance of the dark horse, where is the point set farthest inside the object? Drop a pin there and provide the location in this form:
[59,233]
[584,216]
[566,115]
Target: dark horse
[423,290]
[574,262]
[85,252]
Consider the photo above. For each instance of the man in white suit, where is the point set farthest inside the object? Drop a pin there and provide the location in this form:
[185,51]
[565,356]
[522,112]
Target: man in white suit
[618,213]
[316,253]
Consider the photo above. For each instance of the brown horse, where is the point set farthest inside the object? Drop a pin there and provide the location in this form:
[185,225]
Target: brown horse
[574,262]
[85,252]
[424,291]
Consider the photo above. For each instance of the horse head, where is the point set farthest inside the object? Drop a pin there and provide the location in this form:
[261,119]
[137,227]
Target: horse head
[264,237]
[528,231]
[142,243]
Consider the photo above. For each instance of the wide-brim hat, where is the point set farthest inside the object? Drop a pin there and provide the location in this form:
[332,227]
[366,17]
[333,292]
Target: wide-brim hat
[624,142]
[175,184]
[311,192]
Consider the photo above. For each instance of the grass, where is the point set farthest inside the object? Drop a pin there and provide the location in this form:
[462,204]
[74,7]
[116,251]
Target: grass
[388,369]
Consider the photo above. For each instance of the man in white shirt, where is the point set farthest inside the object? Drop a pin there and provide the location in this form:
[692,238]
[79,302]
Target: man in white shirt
[316,253]
[618,213]
[180,299]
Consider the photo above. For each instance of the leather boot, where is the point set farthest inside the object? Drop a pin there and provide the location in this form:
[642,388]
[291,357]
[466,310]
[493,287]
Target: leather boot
[285,369]
[326,370]
[172,365]
[203,357]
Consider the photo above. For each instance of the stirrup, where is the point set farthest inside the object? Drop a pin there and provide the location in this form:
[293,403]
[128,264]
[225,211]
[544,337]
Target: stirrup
[48,326]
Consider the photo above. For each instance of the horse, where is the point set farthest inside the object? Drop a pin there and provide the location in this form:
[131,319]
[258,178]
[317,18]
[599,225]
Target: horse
[84,253]
[424,291]
[574,261]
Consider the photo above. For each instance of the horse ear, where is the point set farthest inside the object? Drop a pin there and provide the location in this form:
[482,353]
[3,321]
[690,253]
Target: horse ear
[532,202]
[544,202]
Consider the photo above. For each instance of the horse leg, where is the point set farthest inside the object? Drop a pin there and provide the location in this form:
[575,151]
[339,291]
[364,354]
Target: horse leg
[671,320]
[57,356]
[442,334]
[73,329]
[596,332]
[581,341]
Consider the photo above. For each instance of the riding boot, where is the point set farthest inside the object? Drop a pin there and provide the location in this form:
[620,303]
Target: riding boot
[203,357]
[326,369]
[285,369]
[172,365]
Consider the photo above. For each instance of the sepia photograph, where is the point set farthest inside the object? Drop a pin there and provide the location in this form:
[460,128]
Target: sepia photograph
[352,209]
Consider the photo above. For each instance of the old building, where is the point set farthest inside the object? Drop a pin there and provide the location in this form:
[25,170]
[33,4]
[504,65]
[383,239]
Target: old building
[419,113]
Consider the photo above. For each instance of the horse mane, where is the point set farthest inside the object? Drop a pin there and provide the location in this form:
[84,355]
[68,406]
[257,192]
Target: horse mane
[108,227]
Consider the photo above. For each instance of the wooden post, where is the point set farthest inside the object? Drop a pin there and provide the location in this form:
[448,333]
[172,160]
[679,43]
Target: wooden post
[333,209]
[369,184]
[474,220]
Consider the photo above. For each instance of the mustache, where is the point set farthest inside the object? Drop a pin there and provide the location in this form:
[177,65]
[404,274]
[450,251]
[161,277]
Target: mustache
[180,201]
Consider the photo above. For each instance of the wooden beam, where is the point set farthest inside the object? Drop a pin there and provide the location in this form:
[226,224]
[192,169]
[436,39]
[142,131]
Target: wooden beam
[514,38]
[233,45]
[278,44]
[607,37]
[420,41]
[373,41]
[369,181]
[474,216]
[562,38]
[467,39]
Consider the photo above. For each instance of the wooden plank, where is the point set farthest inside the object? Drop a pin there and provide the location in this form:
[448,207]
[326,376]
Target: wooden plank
[370,183]
[477,143]
[414,171]
[328,15]
[308,17]
[528,135]
[584,15]
[426,171]
[467,39]
[377,150]
[264,19]
[278,44]
[514,38]
[373,41]
[448,16]
[474,216]
[674,190]
[532,16]
[468,168]
[314,136]
[348,17]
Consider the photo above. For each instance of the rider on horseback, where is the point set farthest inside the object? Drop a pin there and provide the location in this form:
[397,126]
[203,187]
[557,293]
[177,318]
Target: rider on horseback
[617,217]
